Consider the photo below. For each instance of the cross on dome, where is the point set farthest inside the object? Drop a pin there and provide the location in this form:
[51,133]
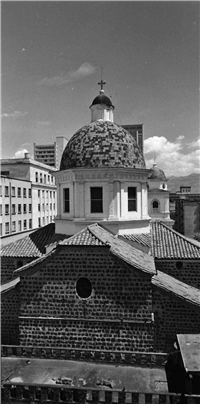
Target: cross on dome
[101,83]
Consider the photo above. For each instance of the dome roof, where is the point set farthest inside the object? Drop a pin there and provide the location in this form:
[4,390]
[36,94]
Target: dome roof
[157,174]
[103,100]
[102,144]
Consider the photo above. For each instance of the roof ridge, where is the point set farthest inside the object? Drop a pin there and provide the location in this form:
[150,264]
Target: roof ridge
[181,289]
[71,237]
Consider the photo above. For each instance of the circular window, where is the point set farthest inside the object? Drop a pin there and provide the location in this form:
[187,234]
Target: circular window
[84,288]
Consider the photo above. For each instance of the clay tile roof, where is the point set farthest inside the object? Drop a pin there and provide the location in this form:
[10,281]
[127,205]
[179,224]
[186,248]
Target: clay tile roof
[179,289]
[96,235]
[84,237]
[144,239]
[34,245]
[9,285]
[169,244]
[132,256]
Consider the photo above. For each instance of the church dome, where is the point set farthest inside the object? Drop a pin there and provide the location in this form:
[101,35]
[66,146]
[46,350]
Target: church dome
[102,99]
[157,174]
[102,144]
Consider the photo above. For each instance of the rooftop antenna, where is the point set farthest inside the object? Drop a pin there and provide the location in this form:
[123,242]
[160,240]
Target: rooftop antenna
[102,82]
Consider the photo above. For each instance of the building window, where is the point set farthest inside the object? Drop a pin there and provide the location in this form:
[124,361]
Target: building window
[19,209]
[50,206]
[13,191]
[29,193]
[47,194]
[43,221]
[43,194]
[66,202]
[41,178]
[25,224]
[6,191]
[43,207]
[54,206]
[38,193]
[96,194]
[1,210]
[7,227]
[54,194]
[155,206]
[7,209]
[45,178]
[19,225]
[13,226]
[30,208]
[39,222]
[0,229]
[83,288]
[38,207]
[24,209]
[24,192]
[13,210]
[0,190]
[19,192]
[19,264]
[36,176]
[132,199]
[30,223]
[48,178]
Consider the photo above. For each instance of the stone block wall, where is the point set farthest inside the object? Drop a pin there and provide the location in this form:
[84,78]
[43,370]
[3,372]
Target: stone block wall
[10,307]
[8,266]
[189,273]
[117,313]
[102,335]
[172,317]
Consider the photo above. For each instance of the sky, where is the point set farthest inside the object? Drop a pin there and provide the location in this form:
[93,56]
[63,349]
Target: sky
[52,56]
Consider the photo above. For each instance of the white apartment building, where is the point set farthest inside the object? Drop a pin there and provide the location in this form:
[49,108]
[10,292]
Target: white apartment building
[50,154]
[28,197]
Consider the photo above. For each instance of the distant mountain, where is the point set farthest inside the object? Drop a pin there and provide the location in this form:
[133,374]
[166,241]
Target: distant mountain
[192,180]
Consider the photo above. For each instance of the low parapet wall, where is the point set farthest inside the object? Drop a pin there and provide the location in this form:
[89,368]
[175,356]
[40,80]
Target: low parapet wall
[18,393]
[129,358]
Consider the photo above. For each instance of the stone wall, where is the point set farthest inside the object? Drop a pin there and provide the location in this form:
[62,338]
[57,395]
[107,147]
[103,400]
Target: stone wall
[189,273]
[172,317]
[8,266]
[10,307]
[116,315]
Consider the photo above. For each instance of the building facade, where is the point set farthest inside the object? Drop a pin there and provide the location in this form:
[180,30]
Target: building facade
[185,211]
[50,154]
[29,196]
[136,130]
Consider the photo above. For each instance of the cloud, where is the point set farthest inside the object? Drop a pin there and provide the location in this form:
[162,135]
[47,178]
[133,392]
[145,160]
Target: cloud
[15,114]
[44,123]
[86,69]
[20,153]
[170,157]
[195,144]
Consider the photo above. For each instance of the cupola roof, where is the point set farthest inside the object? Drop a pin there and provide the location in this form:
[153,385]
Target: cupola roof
[157,173]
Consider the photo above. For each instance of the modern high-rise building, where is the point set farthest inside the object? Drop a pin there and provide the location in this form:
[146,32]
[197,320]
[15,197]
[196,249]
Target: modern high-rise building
[50,154]
[137,132]
[28,195]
